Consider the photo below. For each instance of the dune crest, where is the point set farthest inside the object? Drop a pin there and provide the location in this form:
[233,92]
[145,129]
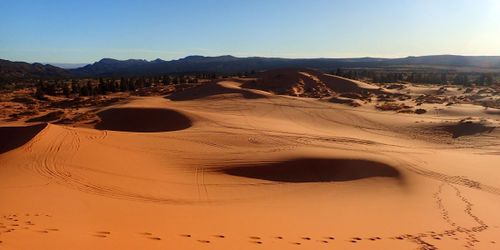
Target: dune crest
[211,89]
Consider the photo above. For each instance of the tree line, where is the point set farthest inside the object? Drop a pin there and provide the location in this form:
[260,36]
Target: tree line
[458,78]
[103,86]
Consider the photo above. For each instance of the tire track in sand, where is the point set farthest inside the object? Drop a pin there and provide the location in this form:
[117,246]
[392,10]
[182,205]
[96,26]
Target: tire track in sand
[48,161]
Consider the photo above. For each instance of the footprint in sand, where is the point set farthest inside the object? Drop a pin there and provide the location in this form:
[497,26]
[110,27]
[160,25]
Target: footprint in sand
[146,233]
[220,236]
[323,241]
[53,229]
[278,237]
[43,231]
[306,238]
[296,243]
[102,234]
[254,237]
[204,241]
[186,235]
[155,238]
[330,238]
[256,242]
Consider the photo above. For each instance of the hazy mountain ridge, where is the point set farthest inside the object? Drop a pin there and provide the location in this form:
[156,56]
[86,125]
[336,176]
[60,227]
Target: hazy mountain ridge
[10,71]
[231,64]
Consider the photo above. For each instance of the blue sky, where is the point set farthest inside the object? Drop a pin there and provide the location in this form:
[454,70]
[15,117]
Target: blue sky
[80,31]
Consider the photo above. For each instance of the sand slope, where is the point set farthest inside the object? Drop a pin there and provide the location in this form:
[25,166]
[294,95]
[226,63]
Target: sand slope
[230,172]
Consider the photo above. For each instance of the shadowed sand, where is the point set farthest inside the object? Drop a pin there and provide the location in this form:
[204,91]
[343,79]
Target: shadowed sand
[142,120]
[52,116]
[315,170]
[14,137]
[468,128]
[211,89]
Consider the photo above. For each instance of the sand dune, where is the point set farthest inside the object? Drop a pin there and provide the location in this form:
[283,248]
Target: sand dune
[227,171]
[211,89]
[308,83]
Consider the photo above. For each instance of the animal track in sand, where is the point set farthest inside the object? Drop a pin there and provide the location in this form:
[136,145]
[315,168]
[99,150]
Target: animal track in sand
[204,241]
[220,236]
[254,237]
[186,235]
[154,238]
[256,242]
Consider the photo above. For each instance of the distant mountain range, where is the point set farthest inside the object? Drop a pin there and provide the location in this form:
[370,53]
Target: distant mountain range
[15,71]
[231,64]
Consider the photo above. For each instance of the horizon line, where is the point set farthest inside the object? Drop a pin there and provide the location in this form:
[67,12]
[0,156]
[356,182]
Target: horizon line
[223,55]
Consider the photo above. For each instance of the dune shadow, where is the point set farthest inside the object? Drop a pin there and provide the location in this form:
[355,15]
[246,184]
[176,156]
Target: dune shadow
[466,128]
[210,89]
[142,120]
[493,112]
[14,137]
[304,170]
[52,116]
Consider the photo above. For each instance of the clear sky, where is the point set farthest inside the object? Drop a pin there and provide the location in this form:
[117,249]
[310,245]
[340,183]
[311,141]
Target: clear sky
[81,31]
